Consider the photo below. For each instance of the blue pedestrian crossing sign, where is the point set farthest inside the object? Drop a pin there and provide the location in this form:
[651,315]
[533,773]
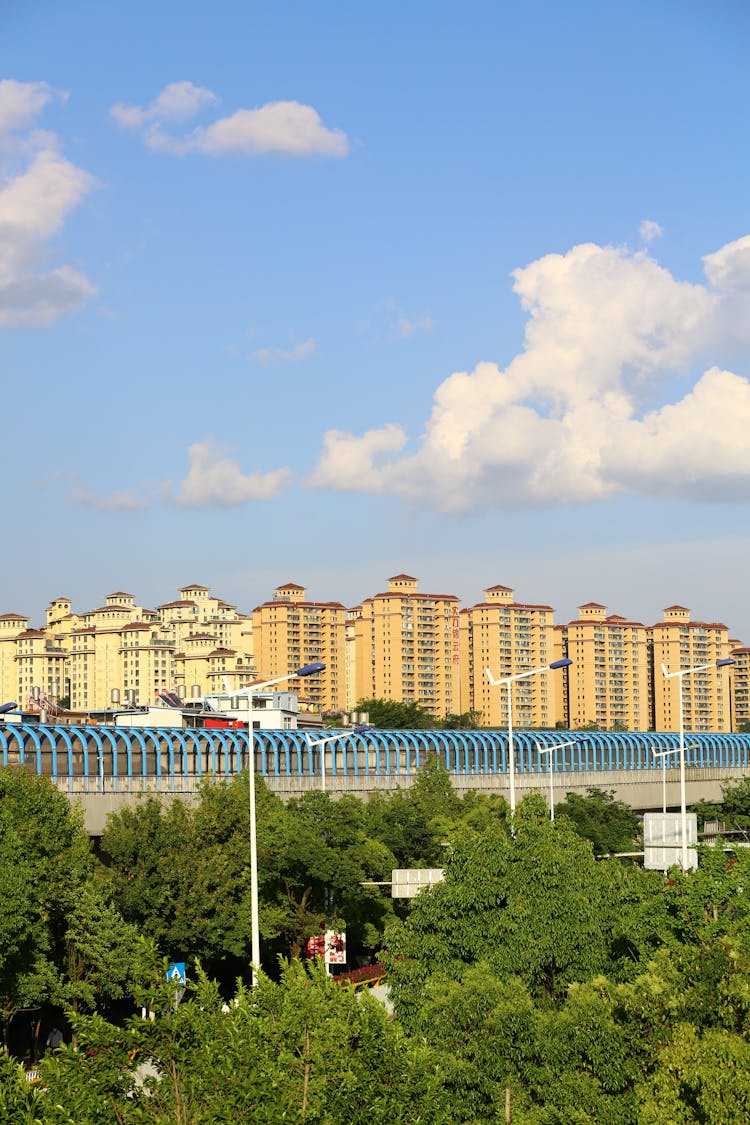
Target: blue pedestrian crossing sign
[176,973]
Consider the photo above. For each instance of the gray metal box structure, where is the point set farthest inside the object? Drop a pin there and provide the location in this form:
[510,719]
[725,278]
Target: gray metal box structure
[662,840]
[407,882]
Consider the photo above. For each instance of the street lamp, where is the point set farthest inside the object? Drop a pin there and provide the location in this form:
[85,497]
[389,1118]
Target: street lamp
[550,761]
[322,743]
[508,680]
[664,754]
[680,675]
[307,670]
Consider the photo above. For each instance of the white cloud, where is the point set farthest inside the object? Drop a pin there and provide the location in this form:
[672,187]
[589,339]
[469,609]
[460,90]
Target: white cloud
[216,480]
[279,357]
[357,463]
[408,327]
[729,268]
[178,101]
[285,128]
[649,230]
[124,500]
[391,323]
[34,203]
[580,413]
[21,103]
[699,446]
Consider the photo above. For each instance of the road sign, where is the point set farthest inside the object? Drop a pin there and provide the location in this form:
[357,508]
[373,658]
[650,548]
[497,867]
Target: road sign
[335,947]
[176,975]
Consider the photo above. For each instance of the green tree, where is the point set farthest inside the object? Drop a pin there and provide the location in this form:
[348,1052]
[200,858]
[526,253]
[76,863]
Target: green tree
[389,714]
[467,720]
[610,825]
[183,875]
[100,948]
[45,861]
[536,906]
[304,1050]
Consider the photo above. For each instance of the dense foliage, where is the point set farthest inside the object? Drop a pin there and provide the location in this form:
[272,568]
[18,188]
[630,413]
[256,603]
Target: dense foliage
[536,980]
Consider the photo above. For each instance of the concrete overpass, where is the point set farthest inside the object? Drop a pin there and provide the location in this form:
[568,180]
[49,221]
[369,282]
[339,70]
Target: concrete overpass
[106,768]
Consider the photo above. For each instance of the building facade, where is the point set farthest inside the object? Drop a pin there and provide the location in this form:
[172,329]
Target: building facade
[507,637]
[407,647]
[400,644]
[677,642]
[607,685]
[291,631]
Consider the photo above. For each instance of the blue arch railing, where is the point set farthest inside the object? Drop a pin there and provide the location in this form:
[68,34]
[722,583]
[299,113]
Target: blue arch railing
[168,755]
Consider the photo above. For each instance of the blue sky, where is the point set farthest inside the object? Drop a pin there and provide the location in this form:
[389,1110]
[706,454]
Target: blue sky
[326,292]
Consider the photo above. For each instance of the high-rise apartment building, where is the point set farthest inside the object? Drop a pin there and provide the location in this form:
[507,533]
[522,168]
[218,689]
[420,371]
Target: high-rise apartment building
[608,682]
[738,678]
[677,642]
[407,647]
[290,631]
[507,637]
[400,645]
[11,686]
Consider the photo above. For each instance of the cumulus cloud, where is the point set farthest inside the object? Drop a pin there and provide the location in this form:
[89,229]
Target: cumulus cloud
[280,357]
[649,230]
[729,268]
[286,127]
[361,460]
[390,322]
[21,103]
[124,500]
[178,101]
[216,480]
[583,411]
[35,200]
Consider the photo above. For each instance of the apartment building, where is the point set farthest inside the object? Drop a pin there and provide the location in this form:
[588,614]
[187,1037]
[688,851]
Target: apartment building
[507,637]
[407,647]
[399,644]
[188,645]
[11,627]
[290,631]
[677,642]
[608,682]
[738,679]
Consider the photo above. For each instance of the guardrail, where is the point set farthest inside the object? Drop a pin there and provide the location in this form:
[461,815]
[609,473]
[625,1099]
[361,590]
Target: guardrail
[90,759]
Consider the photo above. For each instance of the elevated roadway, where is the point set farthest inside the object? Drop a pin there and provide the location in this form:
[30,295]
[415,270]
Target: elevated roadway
[107,767]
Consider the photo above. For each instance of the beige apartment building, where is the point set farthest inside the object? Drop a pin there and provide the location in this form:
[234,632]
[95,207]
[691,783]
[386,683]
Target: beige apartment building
[11,627]
[400,644]
[189,645]
[291,631]
[677,642]
[508,637]
[407,647]
[608,682]
[738,677]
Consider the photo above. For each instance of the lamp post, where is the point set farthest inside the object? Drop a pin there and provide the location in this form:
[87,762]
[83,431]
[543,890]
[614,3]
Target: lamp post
[680,675]
[307,670]
[323,742]
[508,680]
[664,754]
[548,750]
